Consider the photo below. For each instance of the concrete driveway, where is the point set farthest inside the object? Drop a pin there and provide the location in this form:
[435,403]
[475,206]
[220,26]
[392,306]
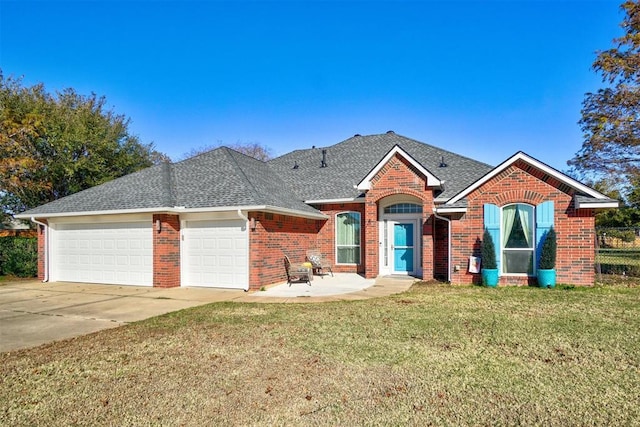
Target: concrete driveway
[34,313]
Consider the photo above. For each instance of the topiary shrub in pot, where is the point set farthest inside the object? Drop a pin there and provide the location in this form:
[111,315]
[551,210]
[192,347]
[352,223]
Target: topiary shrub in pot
[489,263]
[546,268]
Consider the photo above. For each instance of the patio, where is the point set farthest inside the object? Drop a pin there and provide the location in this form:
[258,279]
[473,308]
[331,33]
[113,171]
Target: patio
[328,286]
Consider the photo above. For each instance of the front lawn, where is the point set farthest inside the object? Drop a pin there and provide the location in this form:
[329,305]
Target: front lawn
[436,355]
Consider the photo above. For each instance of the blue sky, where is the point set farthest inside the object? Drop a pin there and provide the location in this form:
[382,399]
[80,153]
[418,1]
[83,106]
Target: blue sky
[483,79]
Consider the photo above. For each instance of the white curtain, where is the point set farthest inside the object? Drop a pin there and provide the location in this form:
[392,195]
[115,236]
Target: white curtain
[348,237]
[525,221]
[508,216]
[348,229]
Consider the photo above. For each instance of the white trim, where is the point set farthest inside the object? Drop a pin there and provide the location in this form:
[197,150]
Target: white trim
[595,205]
[533,162]
[91,213]
[450,210]
[533,249]
[393,219]
[432,180]
[323,201]
[178,209]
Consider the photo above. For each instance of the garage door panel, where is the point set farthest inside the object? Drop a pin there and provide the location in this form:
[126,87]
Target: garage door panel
[116,253]
[215,254]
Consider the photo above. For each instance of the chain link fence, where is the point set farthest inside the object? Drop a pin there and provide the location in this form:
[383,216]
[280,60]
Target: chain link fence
[618,251]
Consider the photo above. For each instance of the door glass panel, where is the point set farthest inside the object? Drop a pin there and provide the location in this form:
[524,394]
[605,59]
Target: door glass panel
[403,247]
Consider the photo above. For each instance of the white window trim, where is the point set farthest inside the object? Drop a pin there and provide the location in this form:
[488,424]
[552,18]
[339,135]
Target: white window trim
[532,249]
[359,246]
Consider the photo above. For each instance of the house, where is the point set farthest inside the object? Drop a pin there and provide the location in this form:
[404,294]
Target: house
[373,205]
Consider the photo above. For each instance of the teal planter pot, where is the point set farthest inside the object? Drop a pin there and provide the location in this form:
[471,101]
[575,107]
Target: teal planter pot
[547,278]
[490,277]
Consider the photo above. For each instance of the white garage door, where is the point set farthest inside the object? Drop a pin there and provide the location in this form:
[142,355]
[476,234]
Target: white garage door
[216,254]
[117,253]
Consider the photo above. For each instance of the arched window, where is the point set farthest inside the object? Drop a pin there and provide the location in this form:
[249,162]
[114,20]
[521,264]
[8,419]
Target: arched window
[348,238]
[402,208]
[518,241]
[518,231]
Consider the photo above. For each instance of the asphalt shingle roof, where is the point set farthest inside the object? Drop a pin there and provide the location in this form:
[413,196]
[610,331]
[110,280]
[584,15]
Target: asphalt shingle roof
[225,178]
[140,190]
[219,178]
[348,162]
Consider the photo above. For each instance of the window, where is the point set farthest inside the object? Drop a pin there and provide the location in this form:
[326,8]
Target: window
[348,238]
[401,208]
[518,231]
[517,239]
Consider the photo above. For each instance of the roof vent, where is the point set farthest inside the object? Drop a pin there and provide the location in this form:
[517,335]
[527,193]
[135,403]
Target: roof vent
[323,164]
[442,163]
[295,165]
[390,132]
[356,135]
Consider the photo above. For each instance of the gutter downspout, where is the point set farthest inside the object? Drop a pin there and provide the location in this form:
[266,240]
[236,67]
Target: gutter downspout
[46,248]
[246,221]
[449,266]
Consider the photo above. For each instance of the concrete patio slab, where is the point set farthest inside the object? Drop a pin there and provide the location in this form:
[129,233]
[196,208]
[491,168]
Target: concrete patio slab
[327,285]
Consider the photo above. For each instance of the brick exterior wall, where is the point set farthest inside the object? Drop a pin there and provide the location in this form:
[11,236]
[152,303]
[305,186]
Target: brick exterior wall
[440,249]
[522,183]
[398,176]
[41,249]
[166,251]
[327,236]
[274,237]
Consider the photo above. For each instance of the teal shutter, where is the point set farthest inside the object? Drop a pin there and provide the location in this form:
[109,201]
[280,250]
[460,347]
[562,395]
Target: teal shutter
[492,224]
[544,222]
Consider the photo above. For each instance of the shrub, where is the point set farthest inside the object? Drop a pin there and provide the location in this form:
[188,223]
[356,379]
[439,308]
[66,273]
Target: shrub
[548,251]
[488,252]
[19,256]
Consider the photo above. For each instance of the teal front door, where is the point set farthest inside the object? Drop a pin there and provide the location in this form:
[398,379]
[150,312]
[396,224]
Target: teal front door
[403,248]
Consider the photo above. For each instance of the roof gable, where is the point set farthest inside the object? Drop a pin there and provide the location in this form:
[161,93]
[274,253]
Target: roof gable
[567,180]
[365,184]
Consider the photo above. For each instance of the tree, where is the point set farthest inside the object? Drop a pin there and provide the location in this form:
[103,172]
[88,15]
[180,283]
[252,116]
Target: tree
[55,145]
[251,149]
[611,116]
[488,251]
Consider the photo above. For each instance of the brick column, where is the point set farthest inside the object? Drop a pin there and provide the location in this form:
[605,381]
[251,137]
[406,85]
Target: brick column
[166,251]
[42,248]
[371,250]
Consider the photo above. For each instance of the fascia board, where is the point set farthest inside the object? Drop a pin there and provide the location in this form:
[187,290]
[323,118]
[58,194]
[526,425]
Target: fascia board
[178,209]
[596,205]
[443,210]
[91,213]
[325,201]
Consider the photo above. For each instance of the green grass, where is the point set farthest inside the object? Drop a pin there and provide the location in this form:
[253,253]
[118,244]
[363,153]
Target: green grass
[436,355]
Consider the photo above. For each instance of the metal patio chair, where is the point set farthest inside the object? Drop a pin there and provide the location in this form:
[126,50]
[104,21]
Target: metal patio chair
[297,273]
[318,263]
